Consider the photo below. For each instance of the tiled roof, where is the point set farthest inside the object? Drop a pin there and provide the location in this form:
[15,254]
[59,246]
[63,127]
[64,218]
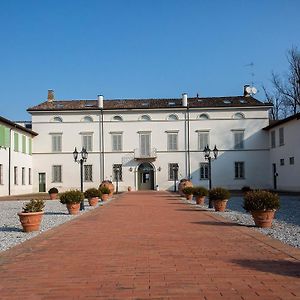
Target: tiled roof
[13,124]
[280,122]
[235,101]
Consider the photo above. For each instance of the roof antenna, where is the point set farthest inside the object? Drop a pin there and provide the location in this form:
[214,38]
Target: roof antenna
[197,95]
[251,65]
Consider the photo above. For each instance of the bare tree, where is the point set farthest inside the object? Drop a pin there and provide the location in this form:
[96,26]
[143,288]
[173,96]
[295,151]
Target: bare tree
[278,110]
[289,87]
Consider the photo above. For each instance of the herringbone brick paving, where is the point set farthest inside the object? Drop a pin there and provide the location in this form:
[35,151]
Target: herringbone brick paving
[150,245]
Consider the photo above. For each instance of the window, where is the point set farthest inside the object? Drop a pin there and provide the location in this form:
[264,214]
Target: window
[292,160]
[203,117]
[23,143]
[203,139]
[145,142]
[172,141]
[29,176]
[56,173]
[116,142]
[273,139]
[16,142]
[238,116]
[282,161]
[172,117]
[1,174]
[56,142]
[88,173]
[204,171]
[145,118]
[173,175]
[23,176]
[4,136]
[117,171]
[281,136]
[15,175]
[239,170]
[87,119]
[117,118]
[238,139]
[87,142]
[57,120]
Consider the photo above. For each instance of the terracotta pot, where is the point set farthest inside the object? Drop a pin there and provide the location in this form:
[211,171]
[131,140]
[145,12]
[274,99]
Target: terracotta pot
[73,208]
[263,218]
[108,185]
[93,201]
[31,221]
[220,205]
[200,199]
[189,197]
[104,197]
[129,189]
[184,183]
[53,196]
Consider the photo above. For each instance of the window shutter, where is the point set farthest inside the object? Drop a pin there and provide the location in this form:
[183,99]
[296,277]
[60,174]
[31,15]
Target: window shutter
[23,143]
[2,132]
[16,142]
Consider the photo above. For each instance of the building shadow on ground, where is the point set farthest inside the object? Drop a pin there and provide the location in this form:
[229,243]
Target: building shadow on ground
[190,209]
[52,213]
[280,267]
[213,223]
[10,229]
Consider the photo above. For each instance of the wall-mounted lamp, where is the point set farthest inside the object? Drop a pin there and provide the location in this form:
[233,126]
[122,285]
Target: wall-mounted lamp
[130,169]
[159,169]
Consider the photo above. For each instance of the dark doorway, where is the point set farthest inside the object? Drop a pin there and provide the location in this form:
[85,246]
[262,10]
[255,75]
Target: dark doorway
[145,177]
[42,182]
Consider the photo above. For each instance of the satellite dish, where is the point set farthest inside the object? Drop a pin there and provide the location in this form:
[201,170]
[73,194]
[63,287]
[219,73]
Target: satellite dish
[253,90]
[248,89]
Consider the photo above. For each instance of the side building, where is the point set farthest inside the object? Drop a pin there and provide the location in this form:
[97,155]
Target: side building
[142,140]
[15,158]
[284,162]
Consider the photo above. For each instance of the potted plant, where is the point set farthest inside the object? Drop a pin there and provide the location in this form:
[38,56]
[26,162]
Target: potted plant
[182,184]
[109,185]
[53,193]
[72,200]
[105,191]
[262,206]
[188,192]
[31,215]
[245,189]
[92,195]
[219,196]
[129,188]
[200,193]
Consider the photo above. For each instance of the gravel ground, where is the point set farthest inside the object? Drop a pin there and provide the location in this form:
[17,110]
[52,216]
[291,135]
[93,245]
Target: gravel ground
[11,232]
[286,226]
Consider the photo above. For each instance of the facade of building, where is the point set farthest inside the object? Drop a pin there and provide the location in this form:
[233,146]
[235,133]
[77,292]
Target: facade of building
[139,142]
[15,158]
[285,153]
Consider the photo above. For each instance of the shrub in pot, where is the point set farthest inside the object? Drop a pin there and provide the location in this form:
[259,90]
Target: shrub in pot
[31,215]
[200,193]
[188,192]
[109,185]
[219,196]
[92,195]
[262,206]
[105,191]
[246,189]
[53,193]
[72,200]
[182,184]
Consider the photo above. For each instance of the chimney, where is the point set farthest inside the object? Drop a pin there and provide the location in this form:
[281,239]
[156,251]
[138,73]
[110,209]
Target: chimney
[50,96]
[247,90]
[184,100]
[100,101]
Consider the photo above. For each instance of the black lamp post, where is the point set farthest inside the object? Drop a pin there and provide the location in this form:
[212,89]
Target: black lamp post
[207,156]
[84,155]
[175,174]
[117,170]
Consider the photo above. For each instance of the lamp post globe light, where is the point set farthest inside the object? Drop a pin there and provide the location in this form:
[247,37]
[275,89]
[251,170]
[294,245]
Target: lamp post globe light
[81,160]
[175,174]
[207,155]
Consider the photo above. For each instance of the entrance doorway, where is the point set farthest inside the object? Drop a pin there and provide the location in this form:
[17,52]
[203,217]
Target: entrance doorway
[42,182]
[145,177]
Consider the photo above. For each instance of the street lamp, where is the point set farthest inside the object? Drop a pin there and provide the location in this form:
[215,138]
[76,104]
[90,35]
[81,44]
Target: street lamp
[175,174]
[117,170]
[207,155]
[84,155]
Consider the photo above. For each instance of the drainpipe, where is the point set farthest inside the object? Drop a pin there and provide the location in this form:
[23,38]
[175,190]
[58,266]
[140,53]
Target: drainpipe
[101,138]
[9,165]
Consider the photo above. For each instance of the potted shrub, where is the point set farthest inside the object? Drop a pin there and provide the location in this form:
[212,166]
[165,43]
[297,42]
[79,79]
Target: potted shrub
[72,200]
[245,189]
[53,193]
[200,193]
[105,191]
[92,195]
[109,185]
[129,188]
[188,192]
[182,184]
[219,196]
[31,215]
[262,206]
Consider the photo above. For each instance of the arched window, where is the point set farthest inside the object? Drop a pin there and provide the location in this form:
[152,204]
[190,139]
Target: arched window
[145,118]
[238,116]
[172,117]
[87,119]
[117,118]
[203,117]
[57,120]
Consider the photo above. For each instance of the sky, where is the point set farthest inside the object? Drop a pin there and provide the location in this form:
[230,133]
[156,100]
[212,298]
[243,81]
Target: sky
[140,48]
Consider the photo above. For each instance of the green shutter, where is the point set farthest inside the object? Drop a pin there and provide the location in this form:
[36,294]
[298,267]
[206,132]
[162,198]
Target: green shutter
[7,137]
[16,142]
[30,146]
[2,133]
[24,144]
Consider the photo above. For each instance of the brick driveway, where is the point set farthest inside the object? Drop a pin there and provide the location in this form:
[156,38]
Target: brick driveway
[150,245]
